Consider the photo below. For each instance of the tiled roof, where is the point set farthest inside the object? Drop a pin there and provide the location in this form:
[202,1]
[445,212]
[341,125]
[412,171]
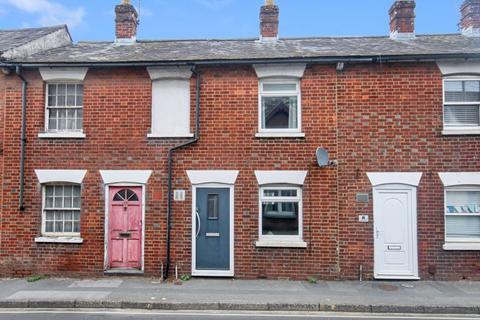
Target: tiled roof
[243,49]
[10,39]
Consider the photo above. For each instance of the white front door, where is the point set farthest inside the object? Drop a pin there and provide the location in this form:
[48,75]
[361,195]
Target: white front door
[395,232]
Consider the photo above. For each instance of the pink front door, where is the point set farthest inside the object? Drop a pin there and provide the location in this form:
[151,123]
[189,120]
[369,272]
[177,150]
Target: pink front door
[125,227]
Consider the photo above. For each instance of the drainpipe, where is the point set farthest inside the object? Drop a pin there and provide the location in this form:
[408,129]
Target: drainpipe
[23,139]
[171,151]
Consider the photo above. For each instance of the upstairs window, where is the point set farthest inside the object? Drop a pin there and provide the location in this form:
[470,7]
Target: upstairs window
[64,107]
[280,106]
[462,104]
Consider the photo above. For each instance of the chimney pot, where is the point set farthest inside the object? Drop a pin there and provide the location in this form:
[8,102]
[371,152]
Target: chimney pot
[269,21]
[402,20]
[126,23]
[470,21]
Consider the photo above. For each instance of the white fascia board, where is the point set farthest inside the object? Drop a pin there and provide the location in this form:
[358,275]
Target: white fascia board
[212,176]
[281,177]
[125,176]
[459,178]
[177,72]
[69,176]
[408,178]
[288,70]
[459,66]
[63,74]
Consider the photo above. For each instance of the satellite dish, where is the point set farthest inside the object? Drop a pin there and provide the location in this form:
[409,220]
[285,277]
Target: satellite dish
[323,159]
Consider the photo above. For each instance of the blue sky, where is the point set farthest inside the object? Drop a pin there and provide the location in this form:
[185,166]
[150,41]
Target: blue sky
[188,19]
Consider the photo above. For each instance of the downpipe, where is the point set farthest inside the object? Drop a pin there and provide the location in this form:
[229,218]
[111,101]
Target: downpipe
[171,152]
[23,138]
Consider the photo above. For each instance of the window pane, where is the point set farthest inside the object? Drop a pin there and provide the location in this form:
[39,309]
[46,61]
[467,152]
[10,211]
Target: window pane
[49,216]
[79,100]
[52,119]
[79,119]
[68,226]
[463,202]
[213,204]
[49,191]
[52,90]
[279,193]
[79,89]
[269,87]
[462,227]
[49,226]
[76,226]
[68,191]
[279,113]
[49,202]
[271,193]
[280,218]
[62,119]
[52,100]
[58,226]
[462,91]
[462,115]
[76,202]
[58,191]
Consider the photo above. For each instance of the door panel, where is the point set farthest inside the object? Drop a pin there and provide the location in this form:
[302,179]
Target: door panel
[125,227]
[395,232]
[212,227]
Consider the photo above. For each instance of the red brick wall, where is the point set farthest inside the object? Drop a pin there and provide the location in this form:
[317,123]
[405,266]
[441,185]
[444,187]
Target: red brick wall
[2,110]
[389,119]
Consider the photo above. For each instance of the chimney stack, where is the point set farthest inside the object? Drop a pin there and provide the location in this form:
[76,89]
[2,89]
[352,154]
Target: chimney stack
[402,20]
[269,21]
[470,21]
[126,23]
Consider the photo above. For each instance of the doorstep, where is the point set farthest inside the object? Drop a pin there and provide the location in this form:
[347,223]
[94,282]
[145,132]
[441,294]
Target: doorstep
[124,272]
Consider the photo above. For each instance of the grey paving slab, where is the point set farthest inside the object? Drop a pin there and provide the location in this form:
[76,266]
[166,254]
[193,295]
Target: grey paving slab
[96,284]
[52,295]
[216,294]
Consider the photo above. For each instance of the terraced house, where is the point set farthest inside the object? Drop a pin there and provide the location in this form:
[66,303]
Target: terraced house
[334,157]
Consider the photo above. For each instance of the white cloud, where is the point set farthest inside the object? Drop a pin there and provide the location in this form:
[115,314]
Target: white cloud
[50,12]
[214,4]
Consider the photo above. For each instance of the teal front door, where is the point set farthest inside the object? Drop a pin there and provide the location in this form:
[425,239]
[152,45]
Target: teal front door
[212,231]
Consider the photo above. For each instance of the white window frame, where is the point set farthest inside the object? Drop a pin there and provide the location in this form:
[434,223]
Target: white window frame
[44,213]
[278,240]
[67,133]
[295,132]
[458,130]
[459,243]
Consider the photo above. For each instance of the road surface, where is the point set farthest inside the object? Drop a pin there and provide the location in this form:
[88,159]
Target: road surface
[146,315]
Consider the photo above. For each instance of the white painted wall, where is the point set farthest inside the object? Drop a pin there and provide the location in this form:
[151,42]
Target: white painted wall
[171,108]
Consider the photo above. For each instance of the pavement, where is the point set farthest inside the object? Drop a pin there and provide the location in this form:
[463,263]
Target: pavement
[423,297]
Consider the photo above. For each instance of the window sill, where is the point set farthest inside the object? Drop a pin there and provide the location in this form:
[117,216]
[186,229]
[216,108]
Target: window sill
[466,246]
[461,131]
[166,136]
[280,135]
[280,244]
[72,240]
[62,135]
